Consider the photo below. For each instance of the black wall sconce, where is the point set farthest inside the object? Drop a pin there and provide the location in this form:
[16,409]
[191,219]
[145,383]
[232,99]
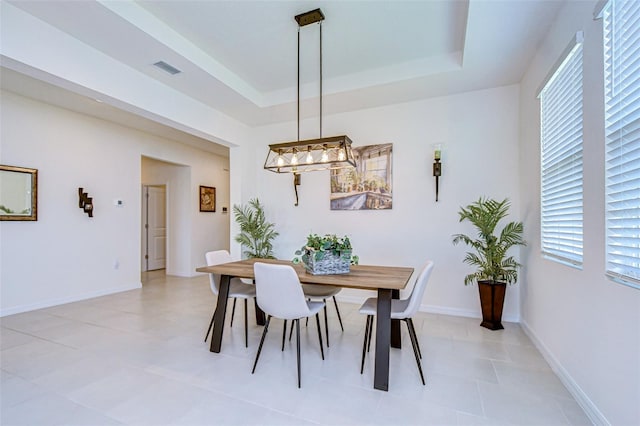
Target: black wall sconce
[437,166]
[296,182]
[85,202]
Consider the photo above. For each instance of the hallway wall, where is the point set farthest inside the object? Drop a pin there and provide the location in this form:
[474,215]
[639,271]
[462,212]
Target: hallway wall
[65,255]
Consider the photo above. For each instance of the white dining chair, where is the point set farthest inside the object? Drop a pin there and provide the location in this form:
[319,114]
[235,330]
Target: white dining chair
[279,294]
[318,292]
[237,289]
[401,309]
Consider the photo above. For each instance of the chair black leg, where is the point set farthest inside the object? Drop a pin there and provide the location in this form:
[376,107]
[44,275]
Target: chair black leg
[210,325]
[370,333]
[298,346]
[364,344]
[338,312]
[246,326]
[284,333]
[410,322]
[306,323]
[326,325]
[233,311]
[319,335]
[264,334]
[291,332]
[414,343]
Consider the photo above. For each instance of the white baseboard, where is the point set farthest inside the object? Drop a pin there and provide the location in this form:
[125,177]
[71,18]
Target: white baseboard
[433,309]
[456,312]
[61,301]
[183,274]
[590,409]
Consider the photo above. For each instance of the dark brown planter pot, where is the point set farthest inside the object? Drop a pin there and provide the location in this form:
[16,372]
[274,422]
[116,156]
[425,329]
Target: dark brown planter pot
[491,301]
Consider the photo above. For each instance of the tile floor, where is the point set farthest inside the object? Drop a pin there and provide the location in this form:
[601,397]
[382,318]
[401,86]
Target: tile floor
[138,358]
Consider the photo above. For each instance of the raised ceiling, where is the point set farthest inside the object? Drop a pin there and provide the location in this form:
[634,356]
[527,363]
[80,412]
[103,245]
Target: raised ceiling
[239,57]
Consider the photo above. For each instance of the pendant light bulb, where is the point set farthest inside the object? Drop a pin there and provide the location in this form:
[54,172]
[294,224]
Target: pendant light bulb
[309,156]
[280,159]
[294,158]
[325,155]
[341,154]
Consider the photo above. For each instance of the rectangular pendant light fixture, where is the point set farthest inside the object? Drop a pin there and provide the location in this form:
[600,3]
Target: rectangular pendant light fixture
[312,154]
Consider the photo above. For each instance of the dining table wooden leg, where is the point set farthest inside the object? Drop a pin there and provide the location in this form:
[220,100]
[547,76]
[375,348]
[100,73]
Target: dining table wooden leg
[221,312]
[383,340]
[396,341]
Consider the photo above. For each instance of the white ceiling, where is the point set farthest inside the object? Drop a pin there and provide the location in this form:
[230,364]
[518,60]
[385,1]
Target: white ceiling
[239,57]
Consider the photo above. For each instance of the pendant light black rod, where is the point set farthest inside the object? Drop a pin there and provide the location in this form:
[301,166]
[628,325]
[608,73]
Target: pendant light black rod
[298,83]
[320,79]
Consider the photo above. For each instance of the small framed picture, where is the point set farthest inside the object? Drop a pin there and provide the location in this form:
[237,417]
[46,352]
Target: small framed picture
[207,199]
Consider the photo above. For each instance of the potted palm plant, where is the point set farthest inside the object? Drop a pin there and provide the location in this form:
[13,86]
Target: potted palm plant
[256,233]
[494,269]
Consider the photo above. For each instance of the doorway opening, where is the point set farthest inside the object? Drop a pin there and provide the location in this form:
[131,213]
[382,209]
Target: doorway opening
[169,196]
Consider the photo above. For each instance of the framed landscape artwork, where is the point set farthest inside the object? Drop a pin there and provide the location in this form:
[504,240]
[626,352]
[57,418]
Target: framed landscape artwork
[207,199]
[368,186]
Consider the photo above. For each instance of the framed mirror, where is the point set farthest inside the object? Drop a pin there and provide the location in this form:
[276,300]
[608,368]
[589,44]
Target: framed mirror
[18,193]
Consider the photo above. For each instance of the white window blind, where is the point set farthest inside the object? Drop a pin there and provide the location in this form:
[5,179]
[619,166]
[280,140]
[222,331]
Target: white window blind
[561,158]
[621,20]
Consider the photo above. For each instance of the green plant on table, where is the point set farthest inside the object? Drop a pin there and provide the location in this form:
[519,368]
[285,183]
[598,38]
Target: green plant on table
[318,246]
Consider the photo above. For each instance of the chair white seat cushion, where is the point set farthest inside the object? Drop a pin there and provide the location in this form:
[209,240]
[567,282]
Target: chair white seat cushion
[320,291]
[398,307]
[238,288]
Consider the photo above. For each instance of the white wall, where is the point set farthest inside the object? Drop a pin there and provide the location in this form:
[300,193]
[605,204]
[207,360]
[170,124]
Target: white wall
[587,326]
[242,184]
[479,131]
[65,255]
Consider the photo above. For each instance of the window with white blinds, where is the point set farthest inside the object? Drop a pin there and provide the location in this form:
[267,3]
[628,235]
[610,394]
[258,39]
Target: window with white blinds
[561,158]
[621,21]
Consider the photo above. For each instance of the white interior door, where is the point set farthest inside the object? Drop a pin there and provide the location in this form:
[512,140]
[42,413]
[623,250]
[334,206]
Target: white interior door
[155,228]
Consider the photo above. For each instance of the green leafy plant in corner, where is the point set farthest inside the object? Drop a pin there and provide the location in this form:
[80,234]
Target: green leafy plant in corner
[490,250]
[256,233]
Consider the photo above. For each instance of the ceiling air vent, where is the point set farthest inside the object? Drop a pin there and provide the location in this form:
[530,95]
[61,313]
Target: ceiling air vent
[167,68]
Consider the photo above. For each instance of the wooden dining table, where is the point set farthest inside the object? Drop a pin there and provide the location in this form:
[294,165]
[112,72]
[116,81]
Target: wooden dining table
[386,280]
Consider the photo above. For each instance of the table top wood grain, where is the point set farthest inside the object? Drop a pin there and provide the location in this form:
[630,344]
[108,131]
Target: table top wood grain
[365,277]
